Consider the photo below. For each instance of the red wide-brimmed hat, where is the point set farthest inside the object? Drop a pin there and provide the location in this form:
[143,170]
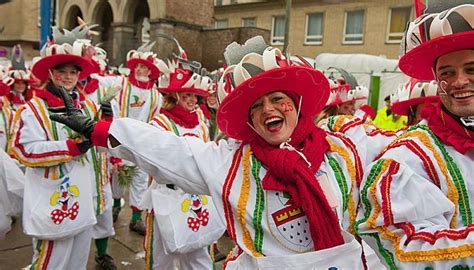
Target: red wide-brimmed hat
[448,31]
[143,55]
[99,60]
[259,74]
[341,93]
[177,78]
[20,75]
[344,87]
[70,47]
[412,93]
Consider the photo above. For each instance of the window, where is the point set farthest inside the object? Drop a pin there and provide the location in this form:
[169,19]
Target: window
[397,20]
[221,24]
[314,28]
[354,27]
[218,2]
[278,30]
[249,21]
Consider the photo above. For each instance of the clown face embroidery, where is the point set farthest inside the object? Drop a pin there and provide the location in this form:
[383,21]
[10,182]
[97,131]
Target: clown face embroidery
[194,205]
[287,222]
[64,197]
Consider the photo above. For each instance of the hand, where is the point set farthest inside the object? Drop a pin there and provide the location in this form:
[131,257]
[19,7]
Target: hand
[73,117]
[106,108]
[84,146]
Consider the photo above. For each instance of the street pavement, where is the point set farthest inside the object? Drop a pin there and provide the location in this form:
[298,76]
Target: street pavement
[125,247]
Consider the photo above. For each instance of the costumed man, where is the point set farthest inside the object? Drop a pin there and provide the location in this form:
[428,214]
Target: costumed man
[410,98]
[180,114]
[288,189]
[139,100]
[417,196]
[6,114]
[61,167]
[20,92]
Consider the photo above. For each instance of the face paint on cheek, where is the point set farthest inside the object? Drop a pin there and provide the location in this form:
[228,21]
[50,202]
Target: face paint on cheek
[286,106]
[442,87]
[57,77]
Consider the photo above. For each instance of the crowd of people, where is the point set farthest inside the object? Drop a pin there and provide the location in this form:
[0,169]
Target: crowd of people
[286,160]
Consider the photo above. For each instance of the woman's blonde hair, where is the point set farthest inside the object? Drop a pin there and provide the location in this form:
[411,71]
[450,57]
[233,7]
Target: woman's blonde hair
[170,100]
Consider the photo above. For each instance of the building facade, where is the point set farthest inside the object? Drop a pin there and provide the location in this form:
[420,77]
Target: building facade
[126,24]
[205,27]
[19,25]
[324,26]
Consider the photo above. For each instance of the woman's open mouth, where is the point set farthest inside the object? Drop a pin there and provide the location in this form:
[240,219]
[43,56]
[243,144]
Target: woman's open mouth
[274,124]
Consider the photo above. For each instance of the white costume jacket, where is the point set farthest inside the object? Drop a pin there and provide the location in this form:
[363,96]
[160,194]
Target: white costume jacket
[140,103]
[6,117]
[416,203]
[270,232]
[59,187]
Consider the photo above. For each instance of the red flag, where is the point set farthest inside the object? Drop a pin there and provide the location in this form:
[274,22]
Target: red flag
[420,6]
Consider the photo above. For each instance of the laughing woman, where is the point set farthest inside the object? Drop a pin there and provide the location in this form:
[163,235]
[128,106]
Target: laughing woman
[286,189]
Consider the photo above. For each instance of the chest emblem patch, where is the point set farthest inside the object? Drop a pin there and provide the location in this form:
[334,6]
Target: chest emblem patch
[288,223]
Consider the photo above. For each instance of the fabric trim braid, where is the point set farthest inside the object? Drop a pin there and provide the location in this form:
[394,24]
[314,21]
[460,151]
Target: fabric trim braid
[226,189]
[259,206]
[350,168]
[148,241]
[359,171]
[242,204]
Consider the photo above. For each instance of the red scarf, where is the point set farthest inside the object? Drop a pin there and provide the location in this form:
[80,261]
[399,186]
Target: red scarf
[17,99]
[447,129]
[143,85]
[289,172]
[181,116]
[90,86]
[57,102]
[205,110]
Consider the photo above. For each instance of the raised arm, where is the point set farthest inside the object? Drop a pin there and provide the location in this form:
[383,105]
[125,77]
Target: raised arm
[187,162]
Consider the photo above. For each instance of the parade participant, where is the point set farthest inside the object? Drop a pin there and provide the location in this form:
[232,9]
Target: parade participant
[417,196]
[20,92]
[410,98]
[91,87]
[140,100]
[286,189]
[345,91]
[181,115]
[103,201]
[12,182]
[210,104]
[6,114]
[61,166]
